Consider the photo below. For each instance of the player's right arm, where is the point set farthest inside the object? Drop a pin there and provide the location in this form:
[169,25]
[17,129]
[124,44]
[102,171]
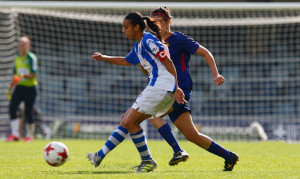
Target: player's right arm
[143,69]
[191,46]
[14,81]
[97,56]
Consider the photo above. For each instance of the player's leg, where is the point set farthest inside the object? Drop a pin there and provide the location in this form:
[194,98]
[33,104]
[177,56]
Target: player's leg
[15,101]
[30,97]
[185,124]
[113,141]
[132,123]
[152,102]
[20,116]
[166,132]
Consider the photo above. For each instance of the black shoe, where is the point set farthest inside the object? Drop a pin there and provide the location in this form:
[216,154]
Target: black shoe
[146,166]
[180,156]
[231,162]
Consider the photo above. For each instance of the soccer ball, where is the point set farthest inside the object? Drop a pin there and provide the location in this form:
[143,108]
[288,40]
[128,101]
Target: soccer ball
[56,153]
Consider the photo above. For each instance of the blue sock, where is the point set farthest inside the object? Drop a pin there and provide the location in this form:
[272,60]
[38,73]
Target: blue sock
[166,132]
[219,151]
[140,142]
[115,139]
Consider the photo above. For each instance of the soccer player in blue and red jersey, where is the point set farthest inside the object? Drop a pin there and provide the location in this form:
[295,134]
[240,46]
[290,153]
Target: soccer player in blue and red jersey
[181,47]
[155,100]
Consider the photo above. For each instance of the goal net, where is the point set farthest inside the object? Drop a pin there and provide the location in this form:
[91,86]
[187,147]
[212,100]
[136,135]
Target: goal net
[256,48]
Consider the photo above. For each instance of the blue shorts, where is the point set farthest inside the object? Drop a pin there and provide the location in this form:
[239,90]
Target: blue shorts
[179,109]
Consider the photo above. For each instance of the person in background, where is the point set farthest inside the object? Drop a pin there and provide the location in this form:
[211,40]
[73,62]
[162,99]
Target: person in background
[24,82]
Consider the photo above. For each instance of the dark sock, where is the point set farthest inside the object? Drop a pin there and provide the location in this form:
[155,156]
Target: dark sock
[219,151]
[166,132]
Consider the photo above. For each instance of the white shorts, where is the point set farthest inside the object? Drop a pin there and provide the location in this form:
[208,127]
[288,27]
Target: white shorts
[154,101]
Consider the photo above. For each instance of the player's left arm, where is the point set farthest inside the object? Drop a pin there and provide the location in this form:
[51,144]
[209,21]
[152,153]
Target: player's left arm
[202,51]
[33,68]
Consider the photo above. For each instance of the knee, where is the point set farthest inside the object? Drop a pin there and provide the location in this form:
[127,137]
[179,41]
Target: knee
[122,122]
[157,122]
[123,118]
[29,116]
[126,123]
[129,125]
[11,107]
[12,112]
[192,136]
[189,138]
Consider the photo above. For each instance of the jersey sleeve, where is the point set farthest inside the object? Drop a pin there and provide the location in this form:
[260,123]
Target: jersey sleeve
[188,44]
[152,44]
[166,50]
[33,63]
[132,58]
[163,54]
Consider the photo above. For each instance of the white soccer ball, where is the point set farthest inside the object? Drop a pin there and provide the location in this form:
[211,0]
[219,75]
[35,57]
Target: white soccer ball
[56,153]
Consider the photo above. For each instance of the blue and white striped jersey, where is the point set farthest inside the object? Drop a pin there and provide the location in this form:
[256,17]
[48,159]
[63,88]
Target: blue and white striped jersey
[144,53]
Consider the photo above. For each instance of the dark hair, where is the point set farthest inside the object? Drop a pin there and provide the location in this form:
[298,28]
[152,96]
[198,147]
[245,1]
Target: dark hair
[137,19]
[163,11]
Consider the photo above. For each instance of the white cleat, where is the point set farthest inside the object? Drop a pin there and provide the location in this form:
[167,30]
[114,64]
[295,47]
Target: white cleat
[94,158]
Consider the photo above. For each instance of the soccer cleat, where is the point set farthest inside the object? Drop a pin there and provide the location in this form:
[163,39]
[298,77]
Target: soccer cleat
[11,138]
[146,166]
[27,139]
[231,162]
[180,156]
[94,158]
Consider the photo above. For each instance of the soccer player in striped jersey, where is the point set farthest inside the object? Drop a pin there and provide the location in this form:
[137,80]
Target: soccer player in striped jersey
[181,47]
[155,100]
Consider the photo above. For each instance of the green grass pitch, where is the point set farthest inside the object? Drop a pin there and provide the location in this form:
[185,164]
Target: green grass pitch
[257,160]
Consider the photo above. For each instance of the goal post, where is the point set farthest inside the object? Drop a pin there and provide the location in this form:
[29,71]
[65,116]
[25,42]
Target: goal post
[255,45]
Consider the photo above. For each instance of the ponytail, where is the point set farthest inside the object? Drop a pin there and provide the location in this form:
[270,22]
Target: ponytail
[153,26]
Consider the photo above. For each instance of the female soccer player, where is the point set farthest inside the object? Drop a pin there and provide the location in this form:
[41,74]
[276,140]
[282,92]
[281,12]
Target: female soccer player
[181,47]
[155,100]
[25,80]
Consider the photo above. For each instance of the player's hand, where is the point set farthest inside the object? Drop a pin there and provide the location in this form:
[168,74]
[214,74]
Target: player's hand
[8,93]
[97,56]
[179,96]
[219,79]
[16,79]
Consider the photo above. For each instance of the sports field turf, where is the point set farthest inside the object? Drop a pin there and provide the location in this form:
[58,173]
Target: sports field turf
[257,160]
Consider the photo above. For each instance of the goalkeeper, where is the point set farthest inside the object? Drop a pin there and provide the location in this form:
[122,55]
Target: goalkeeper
[25,82]
[181,47]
